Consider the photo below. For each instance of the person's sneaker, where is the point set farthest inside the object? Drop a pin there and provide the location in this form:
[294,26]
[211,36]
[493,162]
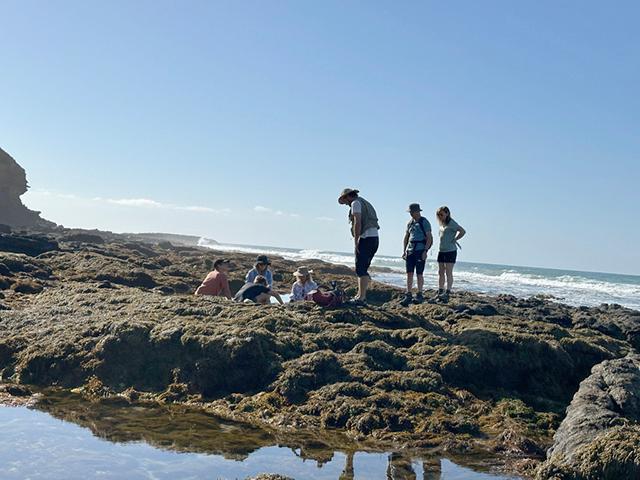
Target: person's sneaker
[438,295]
[419,298]
[406,301]
[356,302]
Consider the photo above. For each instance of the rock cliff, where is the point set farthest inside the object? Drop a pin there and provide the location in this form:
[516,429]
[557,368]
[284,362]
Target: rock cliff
[13,183]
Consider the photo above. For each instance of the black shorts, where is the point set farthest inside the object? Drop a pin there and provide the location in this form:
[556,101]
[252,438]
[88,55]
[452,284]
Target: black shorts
[447,257]
[367,248]
[415,262]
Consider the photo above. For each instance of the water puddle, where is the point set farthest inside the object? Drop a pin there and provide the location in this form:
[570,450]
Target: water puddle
[65,437]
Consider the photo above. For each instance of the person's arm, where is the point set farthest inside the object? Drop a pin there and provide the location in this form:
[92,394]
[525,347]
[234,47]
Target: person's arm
[405,243]
[461,233]
[277,296]
[226,290]
[293,293]
[429,240]
[428,244]
[269,274]
[203,286]
[247,278]
[357,229]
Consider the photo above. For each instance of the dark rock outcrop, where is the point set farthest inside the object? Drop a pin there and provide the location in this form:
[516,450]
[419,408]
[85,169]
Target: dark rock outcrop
[13,183]
[32,245]
[600,436]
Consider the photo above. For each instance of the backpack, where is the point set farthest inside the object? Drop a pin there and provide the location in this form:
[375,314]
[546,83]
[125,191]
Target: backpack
[326,298]
[421,225]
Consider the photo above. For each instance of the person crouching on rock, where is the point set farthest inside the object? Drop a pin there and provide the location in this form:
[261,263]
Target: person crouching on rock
[450,233]
[216,282]
[261,267]
[257,292]
[303,284]
[364,229]
[417,242]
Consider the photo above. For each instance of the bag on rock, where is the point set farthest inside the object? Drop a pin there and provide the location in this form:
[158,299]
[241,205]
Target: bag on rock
[326,298]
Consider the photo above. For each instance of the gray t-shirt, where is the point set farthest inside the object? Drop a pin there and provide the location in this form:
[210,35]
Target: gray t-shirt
[448,236]
[417,238]
[356,207]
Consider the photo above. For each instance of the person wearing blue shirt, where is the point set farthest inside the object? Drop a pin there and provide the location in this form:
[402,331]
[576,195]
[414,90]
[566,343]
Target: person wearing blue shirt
[261,267]
[417,242]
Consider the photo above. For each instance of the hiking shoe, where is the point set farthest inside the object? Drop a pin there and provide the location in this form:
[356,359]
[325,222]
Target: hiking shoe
[406,301]
[419,298]
[356,302]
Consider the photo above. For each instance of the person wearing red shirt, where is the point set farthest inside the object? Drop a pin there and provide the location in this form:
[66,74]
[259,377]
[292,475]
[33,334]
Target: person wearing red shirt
[216,283]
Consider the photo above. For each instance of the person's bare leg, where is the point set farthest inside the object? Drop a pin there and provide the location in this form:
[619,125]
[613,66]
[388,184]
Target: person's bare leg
[420,283]
[449,270]
[441,273]
[363,285]
[410,281]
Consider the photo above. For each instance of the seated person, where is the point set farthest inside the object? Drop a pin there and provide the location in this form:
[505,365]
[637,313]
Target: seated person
[261,267]
[216,282]
[258,292]
[303,285]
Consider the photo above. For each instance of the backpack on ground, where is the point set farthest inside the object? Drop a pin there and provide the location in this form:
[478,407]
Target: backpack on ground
[326,296]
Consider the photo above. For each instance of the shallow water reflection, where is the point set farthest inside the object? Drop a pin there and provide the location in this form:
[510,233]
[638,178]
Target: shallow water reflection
[178,443]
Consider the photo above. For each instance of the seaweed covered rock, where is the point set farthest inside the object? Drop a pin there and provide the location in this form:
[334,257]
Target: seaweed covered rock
[118,318]
[600,436]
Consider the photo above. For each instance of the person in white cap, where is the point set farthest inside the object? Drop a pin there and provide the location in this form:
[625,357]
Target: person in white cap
[364,229]
[304,284]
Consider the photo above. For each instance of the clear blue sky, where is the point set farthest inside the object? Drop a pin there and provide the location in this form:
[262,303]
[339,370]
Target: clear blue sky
[242,120]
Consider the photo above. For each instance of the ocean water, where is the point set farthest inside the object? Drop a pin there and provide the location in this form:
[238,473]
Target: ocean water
[566,286]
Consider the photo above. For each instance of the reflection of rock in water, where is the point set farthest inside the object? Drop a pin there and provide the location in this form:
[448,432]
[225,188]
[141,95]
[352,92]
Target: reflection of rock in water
[181,428]
[171,427]
[184,429]
[13,183]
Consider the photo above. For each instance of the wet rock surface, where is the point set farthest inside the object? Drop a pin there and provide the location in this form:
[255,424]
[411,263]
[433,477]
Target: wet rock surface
[114,317]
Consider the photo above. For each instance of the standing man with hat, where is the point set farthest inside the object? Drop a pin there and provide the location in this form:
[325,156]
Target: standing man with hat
[261,267]
[417,242]
[364,229]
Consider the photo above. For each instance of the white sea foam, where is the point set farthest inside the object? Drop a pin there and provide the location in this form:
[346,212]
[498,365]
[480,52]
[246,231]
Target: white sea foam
[573,287]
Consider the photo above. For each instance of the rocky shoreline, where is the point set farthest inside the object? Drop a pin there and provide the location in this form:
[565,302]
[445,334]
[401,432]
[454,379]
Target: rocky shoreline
[113,317]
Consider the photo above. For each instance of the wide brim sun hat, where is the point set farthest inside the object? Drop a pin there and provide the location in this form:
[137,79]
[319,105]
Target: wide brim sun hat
[302,272]
[345,192]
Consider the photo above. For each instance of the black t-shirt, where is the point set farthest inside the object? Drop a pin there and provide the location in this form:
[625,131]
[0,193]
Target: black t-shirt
[250,291]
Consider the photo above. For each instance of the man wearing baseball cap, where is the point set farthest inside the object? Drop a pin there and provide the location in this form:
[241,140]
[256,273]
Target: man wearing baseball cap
[216,283]
[417,242]
[364,229]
